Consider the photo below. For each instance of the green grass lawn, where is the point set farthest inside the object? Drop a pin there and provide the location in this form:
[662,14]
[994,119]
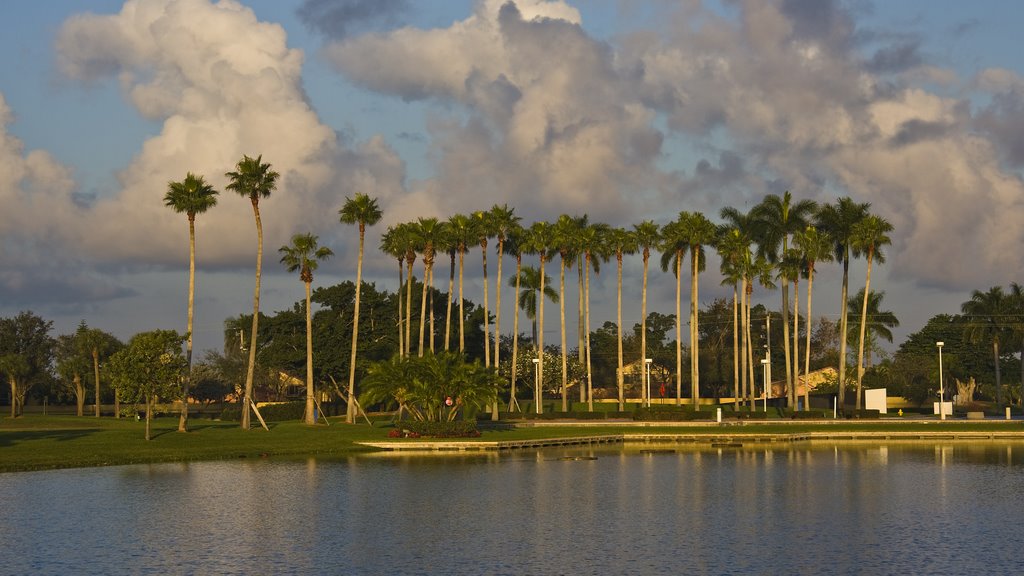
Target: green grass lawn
[36,442]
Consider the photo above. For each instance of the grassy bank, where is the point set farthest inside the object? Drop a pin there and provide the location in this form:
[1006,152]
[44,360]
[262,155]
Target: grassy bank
[36,442]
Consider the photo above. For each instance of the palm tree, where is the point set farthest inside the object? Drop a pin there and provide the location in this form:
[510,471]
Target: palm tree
[255,180]
[191,196]
[621,242]
[1017,326]
[427,232]
[412,246]
[462,229]
[504,224]
[732,248]
[987,312]
[512,246]
[304,255]
[565,241]
[393,245]
[738,263]
[648,235]
[528,285]
[789,268]
[539,240]
[838,220]
[674,247]
[594,248]
[815,246]
[698,232]
[777,219]
[484,231]
[362,211]
[879,322]
[869,235]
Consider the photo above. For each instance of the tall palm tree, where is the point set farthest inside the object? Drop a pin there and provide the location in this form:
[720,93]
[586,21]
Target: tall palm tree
[879,322]
[463,232]
[777,219]
[428,232]
[304,255]
[504,224]
[528,286]
[735,246]
[255,180]
[648,235]
[363,211]
[512,246]
[620,242]
[674,246]
[566,242]
[191,196]
[698,232]
[539,240]
[594,247]
[484,230]
[869,235]
[789,268]
[732,249]
[987,313]
[581,223]
[838,220]
[815,246]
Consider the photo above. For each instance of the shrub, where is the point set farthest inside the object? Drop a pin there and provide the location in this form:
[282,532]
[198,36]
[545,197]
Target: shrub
[755,415]
[282,411]
[863,414]
[670,413]
[444,429]
[807,414]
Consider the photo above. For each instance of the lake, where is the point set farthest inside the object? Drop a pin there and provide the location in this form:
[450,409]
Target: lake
[844,508]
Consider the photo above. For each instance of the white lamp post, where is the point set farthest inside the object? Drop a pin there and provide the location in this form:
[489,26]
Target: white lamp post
[942,395]
[538,397]
[647,370]
[766,364]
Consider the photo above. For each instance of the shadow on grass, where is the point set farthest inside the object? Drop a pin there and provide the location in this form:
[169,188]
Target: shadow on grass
[11,438]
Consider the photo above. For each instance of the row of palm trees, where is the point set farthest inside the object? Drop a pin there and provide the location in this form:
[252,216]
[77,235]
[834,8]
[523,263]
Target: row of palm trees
[753,247]
[777,240]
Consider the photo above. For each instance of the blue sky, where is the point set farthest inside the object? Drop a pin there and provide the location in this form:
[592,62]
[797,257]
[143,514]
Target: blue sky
[624,110]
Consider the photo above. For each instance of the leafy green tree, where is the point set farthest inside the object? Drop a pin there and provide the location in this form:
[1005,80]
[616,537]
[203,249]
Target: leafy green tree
[254,180]
[99,344]
[26,353]
[304,255]
[71,365]
[986,322]
[191,196]
[362,211]
[869,236]
[149,367]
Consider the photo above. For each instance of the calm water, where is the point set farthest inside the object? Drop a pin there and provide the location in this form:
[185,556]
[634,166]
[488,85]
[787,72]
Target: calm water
[846,509]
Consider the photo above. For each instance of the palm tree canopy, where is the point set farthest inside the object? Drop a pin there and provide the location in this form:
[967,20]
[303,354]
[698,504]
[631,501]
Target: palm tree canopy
[566,237]
[621,241]
[503,221]
[304,255]
[776,218]
[539,239]
[252,178]
[361,210]
[191,196]
[815,245]
[594,243]
[647,235]
[879,322]
[987,314]
[838,220]
[529,285]
[463,231]
[869,235]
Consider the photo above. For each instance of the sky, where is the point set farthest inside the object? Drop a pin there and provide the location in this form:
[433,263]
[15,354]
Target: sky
[623,110]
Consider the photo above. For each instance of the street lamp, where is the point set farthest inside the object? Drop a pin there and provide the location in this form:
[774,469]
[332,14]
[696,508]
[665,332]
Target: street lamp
[647,370]
[942,395]
[766,364]
[536,384]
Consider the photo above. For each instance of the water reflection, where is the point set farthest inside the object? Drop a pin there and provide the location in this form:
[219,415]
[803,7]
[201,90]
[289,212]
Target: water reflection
[646,509]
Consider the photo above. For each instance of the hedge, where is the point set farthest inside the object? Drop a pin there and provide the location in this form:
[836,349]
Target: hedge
[455,429]
[283,411]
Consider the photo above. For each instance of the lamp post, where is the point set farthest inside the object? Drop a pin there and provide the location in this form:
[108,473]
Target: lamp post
[537,396]
[766,364]
[647,371]
[942,394]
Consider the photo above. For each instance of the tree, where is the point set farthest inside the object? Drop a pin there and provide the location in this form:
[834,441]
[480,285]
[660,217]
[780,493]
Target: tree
[674,247]
[1016,324]
[815,246]
[869,235]
[838,221]
[879,322]
[504,225]
[733,249]
[777,218]
[149,367]
[986,321]
[483,226]
[565,241]
[362,211]
[304,255]
[26,352]
[461,228]
[529,286]
[621,242]
[393,245]
[698,232]
[191,196]
[71,365]
[255,180]
[595,250]
[648,235]
[539,240]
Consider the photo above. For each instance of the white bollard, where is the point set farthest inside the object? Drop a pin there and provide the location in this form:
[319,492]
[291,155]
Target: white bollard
[718,416]
[1007,412]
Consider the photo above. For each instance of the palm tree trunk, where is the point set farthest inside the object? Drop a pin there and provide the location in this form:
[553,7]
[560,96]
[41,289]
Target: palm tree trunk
[863,327]
[497,306]
[586,330]
[462,312]
[540,341]
[183,420]
[843,324]
[694,334]
[679,328]
[643,332]
[79,395]
[515,336]
[423,308]
[95,375]
[251,369]
[580,335]
[14,396]
[807,343]
[350,409]
[790,394]
[448,314]
[743,339]
[309,360]
[999,382]
[796,343]
[618,329]
[408,306]
[487,317]
[401,315]
[430,282]
[735,352]
[565,358]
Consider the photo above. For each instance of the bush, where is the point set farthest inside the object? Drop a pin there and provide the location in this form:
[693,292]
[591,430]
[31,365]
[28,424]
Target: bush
[671,413]
[863,414]
[281,412]
[807,414]
[755,415]
[455,429]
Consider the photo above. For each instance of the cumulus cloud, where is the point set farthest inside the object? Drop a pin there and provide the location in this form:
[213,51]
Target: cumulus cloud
[223,84]
[337,18]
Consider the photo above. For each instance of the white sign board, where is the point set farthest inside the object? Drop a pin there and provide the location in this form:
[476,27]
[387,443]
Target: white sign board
[875,400]
[947,408]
